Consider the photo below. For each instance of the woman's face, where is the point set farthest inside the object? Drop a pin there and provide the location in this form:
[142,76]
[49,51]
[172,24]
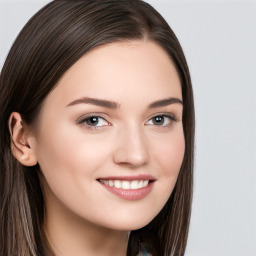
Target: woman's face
[109,138]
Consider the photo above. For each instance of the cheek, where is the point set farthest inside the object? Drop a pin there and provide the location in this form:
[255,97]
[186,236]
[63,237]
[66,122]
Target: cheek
[169,157]
[68,148]
[57,158]
[69,165]
[170,154]
[69,162]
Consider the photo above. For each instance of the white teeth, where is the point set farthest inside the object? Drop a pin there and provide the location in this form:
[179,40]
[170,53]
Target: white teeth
[125,184]
[135,184]
[117,184]
[145,183]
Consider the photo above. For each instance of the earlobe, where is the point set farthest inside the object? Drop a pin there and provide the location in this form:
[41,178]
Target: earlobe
[20,139]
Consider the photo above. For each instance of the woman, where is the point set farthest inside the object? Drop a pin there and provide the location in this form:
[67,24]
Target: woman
[97,133]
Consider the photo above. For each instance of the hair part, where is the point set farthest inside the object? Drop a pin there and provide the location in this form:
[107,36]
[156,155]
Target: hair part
[49,44]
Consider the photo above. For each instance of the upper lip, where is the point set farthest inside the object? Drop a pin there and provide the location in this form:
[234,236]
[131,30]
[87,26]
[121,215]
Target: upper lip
[130,177]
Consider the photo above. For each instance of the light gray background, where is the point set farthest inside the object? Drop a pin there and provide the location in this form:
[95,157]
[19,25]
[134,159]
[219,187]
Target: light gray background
[219,41]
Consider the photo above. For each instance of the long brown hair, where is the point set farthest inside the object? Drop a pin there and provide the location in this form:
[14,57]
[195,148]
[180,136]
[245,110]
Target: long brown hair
[49,44]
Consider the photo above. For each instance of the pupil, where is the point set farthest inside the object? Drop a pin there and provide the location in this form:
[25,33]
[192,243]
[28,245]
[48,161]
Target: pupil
[159,120]
[93,120]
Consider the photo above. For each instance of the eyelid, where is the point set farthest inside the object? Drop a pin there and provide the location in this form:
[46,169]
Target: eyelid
[81,120]
[167,114]
[171,116]
[91,114]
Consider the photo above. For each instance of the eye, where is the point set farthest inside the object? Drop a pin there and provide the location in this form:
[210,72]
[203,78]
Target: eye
[94,121]
[161,120]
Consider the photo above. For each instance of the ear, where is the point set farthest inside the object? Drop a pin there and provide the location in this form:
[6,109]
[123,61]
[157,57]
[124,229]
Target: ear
[22,141]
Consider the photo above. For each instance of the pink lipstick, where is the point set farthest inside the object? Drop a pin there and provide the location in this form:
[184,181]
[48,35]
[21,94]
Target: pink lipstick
[133,187]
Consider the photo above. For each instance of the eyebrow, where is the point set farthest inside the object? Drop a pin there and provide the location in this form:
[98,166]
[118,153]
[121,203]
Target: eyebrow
[165,102]
[97,102]
[115,105]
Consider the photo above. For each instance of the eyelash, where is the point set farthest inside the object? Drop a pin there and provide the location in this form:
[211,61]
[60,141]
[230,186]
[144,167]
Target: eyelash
[171,118]
[83,121]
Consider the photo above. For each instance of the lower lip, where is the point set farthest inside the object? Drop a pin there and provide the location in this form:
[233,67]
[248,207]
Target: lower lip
[130,194]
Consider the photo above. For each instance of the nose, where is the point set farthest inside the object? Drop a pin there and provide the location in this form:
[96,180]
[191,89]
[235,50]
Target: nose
[131,148]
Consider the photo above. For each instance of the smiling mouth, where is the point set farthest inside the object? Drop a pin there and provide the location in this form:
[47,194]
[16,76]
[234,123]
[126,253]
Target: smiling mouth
[125,184]
[131,187]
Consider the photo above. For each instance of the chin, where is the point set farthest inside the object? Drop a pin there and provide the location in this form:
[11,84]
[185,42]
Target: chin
[129,224]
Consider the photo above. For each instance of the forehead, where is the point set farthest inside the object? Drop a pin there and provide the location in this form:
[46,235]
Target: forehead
[121,70]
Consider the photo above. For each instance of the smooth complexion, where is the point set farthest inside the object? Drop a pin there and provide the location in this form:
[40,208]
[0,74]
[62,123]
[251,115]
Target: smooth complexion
[115,115]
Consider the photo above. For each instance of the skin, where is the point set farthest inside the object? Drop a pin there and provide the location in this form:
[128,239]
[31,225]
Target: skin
[81,215]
